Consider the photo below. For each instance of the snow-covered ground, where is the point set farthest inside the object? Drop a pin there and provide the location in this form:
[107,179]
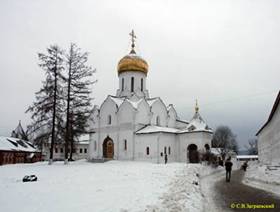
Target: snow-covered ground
[260,176]
[112,186]
[209,176]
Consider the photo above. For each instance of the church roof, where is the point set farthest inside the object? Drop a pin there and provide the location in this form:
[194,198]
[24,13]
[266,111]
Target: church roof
[152,100]
[156,129]
[197,124]
[117,100]
[273,110]
[132,61]
[134,102]
[19,132]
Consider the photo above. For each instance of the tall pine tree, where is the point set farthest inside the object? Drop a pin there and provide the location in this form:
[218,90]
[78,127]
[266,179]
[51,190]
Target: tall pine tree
[47,110]
[79,82]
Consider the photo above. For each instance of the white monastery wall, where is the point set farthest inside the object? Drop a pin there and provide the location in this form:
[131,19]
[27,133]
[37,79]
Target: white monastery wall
[269,140]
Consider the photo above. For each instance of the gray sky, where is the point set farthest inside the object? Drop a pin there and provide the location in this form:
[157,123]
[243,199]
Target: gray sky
[223,53]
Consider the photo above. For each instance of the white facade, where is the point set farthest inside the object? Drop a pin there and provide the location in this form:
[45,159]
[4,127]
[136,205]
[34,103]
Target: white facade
[80,150]
[269,137]
[133,126]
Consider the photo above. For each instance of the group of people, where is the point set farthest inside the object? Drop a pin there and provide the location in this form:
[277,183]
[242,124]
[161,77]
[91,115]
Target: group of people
[228,166]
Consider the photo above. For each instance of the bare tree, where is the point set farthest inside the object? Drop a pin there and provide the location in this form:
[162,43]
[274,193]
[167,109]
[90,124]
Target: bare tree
[252,146]
[225,140]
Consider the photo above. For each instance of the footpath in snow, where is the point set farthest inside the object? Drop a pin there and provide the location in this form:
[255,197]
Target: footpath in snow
[112,186]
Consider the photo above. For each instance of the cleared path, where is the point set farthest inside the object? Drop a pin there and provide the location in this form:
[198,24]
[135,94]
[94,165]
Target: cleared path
[236,192]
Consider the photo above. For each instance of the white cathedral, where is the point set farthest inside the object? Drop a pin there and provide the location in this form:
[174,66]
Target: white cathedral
[134,126]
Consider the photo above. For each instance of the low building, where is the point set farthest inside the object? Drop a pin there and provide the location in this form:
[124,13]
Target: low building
[246,157]
[269,136]
[15,150]
[80,149]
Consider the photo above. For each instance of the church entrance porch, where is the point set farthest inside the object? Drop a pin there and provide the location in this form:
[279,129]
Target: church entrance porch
[108,148]
[193,154]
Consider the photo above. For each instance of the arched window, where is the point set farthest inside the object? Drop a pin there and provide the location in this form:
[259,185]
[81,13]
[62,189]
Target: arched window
[169,150]
[147,150]
[142,82]
[122,84]
[165,150]
[109,119]
[158,121]
[125,144]
[132,84]
[207,147]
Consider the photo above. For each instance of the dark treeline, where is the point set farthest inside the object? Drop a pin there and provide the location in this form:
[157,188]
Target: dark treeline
[62,106]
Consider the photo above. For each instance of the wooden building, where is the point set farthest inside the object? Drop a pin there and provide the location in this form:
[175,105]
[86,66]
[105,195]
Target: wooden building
[15,150]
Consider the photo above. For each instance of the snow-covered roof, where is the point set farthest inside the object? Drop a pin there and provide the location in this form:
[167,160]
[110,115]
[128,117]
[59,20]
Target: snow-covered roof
[135,104]
[183,121]
[197,124]
[152,101]
[216,151]
[156,129]
[117,100]
[246,156]
[83,137]
[16,144]
[273,110]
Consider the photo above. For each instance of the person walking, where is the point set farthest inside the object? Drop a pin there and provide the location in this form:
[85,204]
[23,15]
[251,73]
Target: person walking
[244,166]
[165,158]
[228,166]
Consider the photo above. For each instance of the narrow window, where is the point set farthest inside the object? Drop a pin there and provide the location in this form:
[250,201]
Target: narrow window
[95,146]
[122,84]
[109,119]
[81,150]
[85,151]
[141,84]
[56,150]
[158,121]
[132,84]
[165,150]
[125,144]
[169,150]
[147,150]
[61,150]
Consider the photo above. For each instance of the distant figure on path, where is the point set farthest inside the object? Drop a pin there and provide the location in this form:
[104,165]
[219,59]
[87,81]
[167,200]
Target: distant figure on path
[228,165]
[244,166]
[221,162]
[165,158]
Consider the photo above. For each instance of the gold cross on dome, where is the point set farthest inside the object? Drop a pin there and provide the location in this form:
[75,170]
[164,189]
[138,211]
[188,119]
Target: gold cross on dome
[133,37]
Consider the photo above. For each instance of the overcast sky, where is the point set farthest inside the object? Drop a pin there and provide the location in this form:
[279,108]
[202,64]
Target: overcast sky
[223,53]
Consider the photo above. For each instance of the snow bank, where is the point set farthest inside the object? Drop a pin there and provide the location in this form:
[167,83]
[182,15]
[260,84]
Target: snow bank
[183,194]
[112,186]
[263,177]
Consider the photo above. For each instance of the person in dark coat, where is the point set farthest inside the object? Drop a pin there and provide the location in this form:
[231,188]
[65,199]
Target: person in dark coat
[165,159]
[221,162]
[244,166]
[228,166]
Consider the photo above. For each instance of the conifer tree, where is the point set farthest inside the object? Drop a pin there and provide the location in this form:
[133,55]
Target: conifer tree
[47,110]
[79,82]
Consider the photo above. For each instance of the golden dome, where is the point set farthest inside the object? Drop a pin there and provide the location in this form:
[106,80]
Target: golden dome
[132,62]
